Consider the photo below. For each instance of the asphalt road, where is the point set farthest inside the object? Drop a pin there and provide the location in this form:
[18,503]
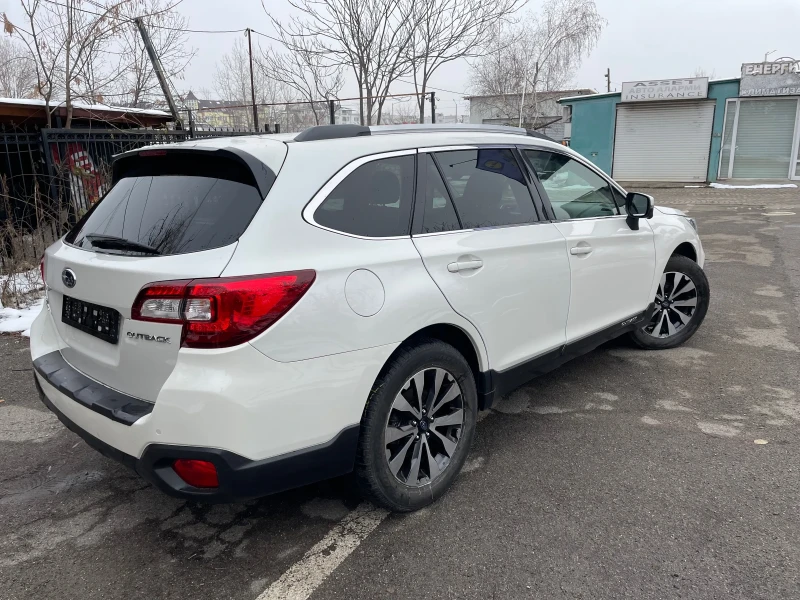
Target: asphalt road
[624,474]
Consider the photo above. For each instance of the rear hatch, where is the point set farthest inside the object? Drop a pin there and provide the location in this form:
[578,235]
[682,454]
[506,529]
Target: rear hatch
[173,214]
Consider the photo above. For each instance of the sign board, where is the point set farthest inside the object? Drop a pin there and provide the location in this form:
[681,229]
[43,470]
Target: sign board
[770,79]
[665,89]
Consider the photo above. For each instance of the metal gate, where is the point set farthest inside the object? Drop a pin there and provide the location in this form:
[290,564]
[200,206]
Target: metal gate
[667,141]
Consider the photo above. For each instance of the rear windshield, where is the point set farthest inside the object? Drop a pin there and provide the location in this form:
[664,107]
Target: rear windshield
[172,206]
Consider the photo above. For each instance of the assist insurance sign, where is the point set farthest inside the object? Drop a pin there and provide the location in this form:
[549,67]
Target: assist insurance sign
[665,89]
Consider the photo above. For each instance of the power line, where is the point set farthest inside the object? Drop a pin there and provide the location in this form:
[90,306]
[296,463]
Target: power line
[430,87]
[212,31]
[108,15]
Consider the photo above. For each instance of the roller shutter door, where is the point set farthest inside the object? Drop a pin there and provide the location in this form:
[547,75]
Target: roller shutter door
[764,138]
[663,142]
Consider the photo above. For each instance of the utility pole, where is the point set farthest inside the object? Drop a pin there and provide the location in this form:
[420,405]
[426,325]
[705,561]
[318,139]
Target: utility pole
[433,108]
[252,81]
[162,78]
[608,79]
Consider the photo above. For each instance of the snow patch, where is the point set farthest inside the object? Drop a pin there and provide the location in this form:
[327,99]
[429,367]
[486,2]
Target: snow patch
[549,410]
[84,106]
[22,283]
[757,186]
[16,321]
[717,429]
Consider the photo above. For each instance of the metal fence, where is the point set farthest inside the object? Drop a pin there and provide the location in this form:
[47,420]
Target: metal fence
[293,117]
[50,177]
[78,162]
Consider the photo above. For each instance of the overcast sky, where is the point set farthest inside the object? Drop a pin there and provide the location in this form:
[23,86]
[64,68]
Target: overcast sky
[644,39]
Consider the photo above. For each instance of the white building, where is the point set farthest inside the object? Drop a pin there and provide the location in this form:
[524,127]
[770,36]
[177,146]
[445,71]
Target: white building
[541,111]
[346,116]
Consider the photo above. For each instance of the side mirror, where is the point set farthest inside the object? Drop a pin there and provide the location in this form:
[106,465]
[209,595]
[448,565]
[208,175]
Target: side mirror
[638,206]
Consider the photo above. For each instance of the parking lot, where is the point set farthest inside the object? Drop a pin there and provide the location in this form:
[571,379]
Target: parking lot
[624,474]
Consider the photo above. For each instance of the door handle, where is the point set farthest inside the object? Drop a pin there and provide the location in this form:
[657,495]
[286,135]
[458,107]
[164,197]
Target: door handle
[579,250]
[465,265]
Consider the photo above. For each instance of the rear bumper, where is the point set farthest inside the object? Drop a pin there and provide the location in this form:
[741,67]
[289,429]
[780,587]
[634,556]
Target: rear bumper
[266,425]
[239,478]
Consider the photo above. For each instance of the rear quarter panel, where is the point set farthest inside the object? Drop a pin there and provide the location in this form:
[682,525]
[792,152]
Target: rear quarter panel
[323,323]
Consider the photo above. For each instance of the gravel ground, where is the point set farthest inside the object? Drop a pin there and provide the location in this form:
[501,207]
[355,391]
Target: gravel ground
[624,474]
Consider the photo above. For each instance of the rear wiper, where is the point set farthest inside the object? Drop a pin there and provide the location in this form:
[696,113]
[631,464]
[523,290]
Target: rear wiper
[113,242]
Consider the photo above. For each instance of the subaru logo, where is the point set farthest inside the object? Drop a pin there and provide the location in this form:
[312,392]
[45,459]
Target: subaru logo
[68,277]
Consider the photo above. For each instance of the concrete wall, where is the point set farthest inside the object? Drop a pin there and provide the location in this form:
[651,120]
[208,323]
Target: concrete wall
[486,109]
[594,119]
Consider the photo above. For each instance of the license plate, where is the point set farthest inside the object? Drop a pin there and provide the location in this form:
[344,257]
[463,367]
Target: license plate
[96,320]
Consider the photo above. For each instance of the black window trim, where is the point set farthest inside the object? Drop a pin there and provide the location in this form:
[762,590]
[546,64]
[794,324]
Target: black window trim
[419,204]
[330,185]
[418,217]
[613,185]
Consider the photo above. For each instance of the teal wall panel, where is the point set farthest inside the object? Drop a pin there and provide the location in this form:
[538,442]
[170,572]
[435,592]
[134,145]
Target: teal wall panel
[594,119]
[593,129]
[720,92]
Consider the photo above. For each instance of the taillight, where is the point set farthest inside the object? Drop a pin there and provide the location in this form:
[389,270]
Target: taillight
[221,312]
[198,473]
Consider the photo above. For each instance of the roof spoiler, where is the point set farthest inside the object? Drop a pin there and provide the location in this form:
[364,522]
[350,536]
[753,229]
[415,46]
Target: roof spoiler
[123,164]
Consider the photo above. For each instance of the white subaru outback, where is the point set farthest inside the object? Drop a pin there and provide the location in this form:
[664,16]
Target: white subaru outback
[241,316]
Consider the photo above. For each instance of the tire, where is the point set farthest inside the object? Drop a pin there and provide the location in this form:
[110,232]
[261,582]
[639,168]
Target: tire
[390,477]
[673,328]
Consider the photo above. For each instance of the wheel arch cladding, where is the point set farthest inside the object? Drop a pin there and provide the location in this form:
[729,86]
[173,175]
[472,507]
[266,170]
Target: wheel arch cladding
[686,249]
[455,337]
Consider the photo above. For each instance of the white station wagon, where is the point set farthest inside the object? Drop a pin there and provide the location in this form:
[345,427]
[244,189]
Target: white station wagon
[239,316]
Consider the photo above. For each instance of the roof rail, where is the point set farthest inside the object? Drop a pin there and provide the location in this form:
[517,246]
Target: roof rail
[331,132]
[450,127]
[541,136]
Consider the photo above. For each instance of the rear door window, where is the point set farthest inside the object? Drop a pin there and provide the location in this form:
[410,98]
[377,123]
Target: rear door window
[373,201]
[487,186]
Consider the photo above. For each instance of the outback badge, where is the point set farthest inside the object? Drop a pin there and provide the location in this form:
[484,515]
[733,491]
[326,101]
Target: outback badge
[148,338]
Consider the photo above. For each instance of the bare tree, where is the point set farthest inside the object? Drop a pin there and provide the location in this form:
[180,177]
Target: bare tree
[701,72]
[68,40]
[541,54]
[402,112]
[370,37]
[305,72]
[79,49]
[447,30]
[232,85]
[17,70]
[45,50]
